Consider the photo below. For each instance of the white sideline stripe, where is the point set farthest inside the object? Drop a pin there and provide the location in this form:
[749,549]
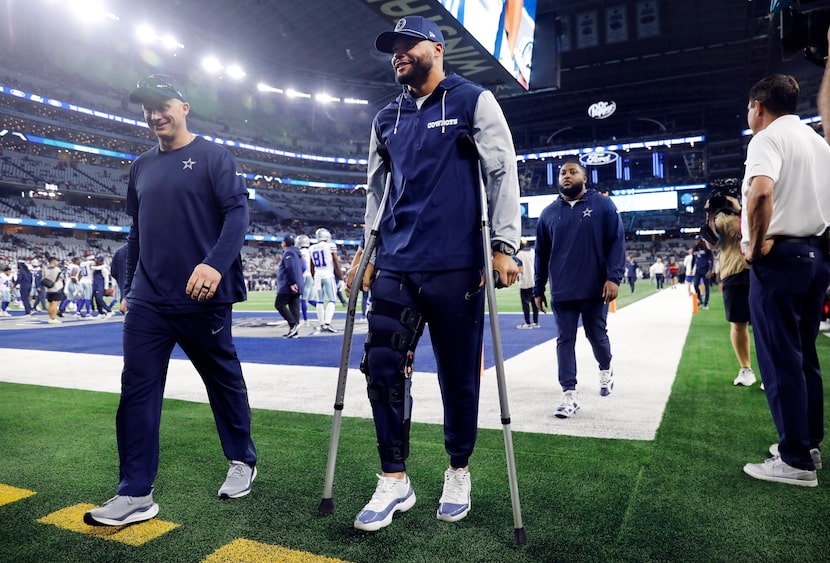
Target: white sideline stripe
[647,339]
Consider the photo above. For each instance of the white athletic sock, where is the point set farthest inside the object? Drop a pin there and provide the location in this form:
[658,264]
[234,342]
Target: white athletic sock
[329,312]
[321,314]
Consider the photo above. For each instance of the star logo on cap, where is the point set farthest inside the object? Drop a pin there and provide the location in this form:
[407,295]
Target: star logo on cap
[188,164]
[587,212]
[401,24]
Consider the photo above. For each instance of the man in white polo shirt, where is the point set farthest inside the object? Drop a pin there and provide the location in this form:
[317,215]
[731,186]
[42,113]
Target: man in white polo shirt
[784,222]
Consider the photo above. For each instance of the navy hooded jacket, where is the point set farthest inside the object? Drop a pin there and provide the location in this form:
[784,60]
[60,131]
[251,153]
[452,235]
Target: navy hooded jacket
[432,219]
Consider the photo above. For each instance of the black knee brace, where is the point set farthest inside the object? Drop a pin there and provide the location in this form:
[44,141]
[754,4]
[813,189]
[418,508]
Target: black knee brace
[401,342]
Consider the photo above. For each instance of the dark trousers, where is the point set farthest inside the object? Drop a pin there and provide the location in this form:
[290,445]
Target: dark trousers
[786,292]
[288,306]
[594,314]
[452,305]
[632,280]
[149,338]
[25,290]
[528,304]
[98,300]
[702,278]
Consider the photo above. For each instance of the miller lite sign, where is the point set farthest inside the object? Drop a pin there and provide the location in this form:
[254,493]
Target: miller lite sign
[602,110]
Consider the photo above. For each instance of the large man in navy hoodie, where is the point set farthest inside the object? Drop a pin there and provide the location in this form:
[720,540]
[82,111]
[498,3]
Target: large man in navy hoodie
[580,247]
[429,261]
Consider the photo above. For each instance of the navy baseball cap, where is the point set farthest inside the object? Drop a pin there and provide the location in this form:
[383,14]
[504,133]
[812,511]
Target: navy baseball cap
[289,240]
[157,88]
[409,26]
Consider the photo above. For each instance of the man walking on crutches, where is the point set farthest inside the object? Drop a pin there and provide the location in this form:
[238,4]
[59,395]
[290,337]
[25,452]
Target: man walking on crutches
[428,265]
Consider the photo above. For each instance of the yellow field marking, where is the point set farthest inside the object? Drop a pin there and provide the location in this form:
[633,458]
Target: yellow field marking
[10,494]
[247,551]
[72,519]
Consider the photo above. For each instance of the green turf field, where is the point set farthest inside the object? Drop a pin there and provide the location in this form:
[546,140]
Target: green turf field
[681,497]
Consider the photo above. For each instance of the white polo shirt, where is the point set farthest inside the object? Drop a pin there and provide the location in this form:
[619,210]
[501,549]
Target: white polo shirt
[798,161]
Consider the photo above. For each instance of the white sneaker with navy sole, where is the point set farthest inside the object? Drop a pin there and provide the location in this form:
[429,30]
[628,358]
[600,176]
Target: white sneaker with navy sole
[122,510]
[569,405]
[391,495]
[606,382]
[455,499]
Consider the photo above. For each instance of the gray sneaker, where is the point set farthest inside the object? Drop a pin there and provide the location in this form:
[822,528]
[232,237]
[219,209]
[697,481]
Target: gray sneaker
[238,482]
[121,510]
[777,470]
[815,453]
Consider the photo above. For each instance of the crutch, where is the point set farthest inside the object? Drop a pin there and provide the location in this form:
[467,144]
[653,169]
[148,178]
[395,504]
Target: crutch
[326,505]
[519,536]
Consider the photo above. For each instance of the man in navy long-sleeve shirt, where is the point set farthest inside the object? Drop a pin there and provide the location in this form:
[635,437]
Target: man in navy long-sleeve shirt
[580,247]
[188,200]
[290,286]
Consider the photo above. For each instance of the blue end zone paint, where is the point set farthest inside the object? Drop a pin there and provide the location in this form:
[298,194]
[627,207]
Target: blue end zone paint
[318,351]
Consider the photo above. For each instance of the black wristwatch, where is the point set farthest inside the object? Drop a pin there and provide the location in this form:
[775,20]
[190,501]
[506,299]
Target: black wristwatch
[503,247]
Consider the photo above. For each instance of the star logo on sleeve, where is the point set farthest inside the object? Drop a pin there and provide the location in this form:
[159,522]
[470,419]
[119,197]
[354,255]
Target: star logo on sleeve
[188,164]
[587,212]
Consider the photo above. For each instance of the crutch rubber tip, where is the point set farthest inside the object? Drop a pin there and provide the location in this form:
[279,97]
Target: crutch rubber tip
[519,536]
[326,507]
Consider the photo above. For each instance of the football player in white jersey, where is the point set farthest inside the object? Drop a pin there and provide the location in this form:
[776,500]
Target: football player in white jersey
[309,293]
[6,289]
[324,264]
[86,287]
[73,290]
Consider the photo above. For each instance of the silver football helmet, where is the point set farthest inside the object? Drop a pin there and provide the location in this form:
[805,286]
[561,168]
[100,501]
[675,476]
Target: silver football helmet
[322,235]
[303,241]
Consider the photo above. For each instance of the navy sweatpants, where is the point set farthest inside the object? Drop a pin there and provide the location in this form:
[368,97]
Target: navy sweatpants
[594,314]
[149,337]
[452,305]
[786,291]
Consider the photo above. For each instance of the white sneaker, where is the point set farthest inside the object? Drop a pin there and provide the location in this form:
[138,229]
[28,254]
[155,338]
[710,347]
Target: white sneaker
[746,377]
[238,481]
[122,510]
[524,326]
[455,499]
[569,405]
[815,453]
[606,381]
[777,470]
[391,495]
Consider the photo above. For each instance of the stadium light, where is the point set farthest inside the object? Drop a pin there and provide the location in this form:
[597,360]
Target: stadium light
[171,42]
[91,10]
[211,64]
[262,87]
[325,98]
[291,93]
[356,101]
[235,72]
[145,33]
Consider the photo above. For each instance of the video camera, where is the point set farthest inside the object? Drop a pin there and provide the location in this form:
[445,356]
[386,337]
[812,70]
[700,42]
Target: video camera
[804,26]
[717,202]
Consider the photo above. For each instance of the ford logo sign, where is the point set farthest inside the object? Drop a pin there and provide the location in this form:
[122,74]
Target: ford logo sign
[598,158]
[602,110]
